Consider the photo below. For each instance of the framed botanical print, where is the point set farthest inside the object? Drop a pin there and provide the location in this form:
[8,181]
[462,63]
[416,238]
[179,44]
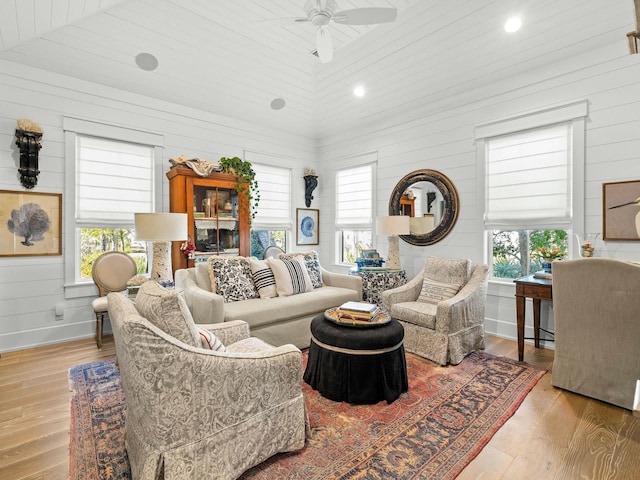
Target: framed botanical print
[30,223]
[621,210]
[307,228]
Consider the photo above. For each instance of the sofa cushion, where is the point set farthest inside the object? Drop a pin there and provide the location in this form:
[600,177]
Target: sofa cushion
[258,312]
[312,261]
[250,345]
[263,278]
[291,275]
[448,270]
[435,292]
[210,341]
[231,278]
[418,313]
[168,311]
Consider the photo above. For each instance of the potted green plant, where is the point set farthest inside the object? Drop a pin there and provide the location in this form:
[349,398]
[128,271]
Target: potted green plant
[247,183]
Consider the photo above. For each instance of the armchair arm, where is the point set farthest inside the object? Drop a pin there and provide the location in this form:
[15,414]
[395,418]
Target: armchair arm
[466,308]
[409,292]
[229,332]
[341,280]
[205,307]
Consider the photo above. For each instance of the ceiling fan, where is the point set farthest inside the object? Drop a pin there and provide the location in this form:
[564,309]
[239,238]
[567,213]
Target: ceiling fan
[321,13]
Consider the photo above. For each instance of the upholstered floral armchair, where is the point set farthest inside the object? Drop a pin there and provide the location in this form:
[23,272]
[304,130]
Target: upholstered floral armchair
[193,412]
[442,309]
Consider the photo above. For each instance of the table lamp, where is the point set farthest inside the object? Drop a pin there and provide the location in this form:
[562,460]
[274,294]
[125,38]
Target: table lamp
[393,226]
[161,229]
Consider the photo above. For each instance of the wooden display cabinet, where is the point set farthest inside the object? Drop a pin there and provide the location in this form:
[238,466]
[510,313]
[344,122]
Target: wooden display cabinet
[218,216]
[407,205]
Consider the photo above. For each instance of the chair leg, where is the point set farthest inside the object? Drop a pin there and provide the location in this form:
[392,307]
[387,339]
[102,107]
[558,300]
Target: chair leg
[99,329]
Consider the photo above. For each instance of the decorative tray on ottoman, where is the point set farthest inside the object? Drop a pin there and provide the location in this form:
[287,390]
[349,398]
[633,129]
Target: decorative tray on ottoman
[342,318]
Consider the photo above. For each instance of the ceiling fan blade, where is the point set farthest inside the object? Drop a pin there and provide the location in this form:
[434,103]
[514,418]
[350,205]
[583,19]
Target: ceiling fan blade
[324,45]
[365,16]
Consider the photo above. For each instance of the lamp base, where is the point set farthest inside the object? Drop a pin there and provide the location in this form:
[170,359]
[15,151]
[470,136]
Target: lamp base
[161,266]
[393,260]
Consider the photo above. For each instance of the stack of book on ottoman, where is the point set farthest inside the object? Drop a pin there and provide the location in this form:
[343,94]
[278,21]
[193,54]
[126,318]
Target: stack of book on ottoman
[359,311]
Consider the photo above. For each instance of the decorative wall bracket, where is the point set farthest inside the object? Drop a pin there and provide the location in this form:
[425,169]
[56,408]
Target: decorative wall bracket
[28,141]
[310,184]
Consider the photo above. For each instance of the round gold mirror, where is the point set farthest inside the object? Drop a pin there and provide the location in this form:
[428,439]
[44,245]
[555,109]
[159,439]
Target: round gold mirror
[431,200]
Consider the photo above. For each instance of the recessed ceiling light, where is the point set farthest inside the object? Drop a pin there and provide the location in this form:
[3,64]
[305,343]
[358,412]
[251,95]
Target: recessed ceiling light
[146,61]
[513,24]
[359,91]
[278,103]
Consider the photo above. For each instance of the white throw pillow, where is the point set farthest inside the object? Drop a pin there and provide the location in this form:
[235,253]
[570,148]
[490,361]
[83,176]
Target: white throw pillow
[312,261]
[435,292]
[263,278]
[210,341]
[291,275]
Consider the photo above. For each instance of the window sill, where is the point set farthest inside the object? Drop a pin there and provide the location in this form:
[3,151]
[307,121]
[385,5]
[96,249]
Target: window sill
[80,290]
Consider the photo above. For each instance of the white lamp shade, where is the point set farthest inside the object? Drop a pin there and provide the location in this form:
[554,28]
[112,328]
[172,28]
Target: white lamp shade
[393,225]
[161,227]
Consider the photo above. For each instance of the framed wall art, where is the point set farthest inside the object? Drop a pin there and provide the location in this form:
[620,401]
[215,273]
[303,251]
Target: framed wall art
[621,210]
[307,228]
[30,223]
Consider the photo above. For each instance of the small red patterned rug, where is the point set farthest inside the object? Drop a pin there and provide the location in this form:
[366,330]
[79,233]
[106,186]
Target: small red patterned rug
[431,432]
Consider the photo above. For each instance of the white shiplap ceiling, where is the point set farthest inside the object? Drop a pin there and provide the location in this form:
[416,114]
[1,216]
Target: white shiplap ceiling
[234,57]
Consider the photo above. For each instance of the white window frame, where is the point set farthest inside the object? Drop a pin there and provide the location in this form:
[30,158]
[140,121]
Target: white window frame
[74,286]
[365,159]
[280,162]
[575,114]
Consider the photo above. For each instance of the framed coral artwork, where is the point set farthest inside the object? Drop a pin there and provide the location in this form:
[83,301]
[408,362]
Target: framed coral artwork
[30,223]
[307,229]
[621,210]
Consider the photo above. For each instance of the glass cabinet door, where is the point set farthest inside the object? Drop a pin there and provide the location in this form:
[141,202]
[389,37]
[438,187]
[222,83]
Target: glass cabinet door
[215,217]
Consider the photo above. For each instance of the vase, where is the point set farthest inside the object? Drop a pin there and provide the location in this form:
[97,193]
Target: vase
[546,265]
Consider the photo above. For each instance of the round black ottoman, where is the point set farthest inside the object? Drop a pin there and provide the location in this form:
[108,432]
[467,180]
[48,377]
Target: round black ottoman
[357,365]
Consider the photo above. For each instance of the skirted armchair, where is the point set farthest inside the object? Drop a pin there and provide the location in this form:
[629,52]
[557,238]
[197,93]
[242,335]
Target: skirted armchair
[199,413]
[596,311]
[442,309]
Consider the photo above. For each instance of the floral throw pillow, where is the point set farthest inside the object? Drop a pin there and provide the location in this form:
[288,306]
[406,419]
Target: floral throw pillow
[231,278]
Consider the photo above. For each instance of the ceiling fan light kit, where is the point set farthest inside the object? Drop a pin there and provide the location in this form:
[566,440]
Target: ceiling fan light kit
[321,13]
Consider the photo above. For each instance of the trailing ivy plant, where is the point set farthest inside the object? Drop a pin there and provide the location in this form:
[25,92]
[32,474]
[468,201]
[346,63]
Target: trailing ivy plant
[247,183]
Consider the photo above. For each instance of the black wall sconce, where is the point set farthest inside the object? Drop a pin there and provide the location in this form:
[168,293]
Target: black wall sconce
[310,184]
[28,136]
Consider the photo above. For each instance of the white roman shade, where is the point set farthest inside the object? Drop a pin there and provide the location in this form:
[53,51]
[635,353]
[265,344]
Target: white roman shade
[528,179]
[114,179]
[354,192]
[274,184]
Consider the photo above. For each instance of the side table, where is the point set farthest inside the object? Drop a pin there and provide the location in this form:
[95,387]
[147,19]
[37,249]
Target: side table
[537,289]
[376,282]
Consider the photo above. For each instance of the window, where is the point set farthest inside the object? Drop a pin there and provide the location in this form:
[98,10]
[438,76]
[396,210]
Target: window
[354,211]
[272,223]
[532,176]
[111,175]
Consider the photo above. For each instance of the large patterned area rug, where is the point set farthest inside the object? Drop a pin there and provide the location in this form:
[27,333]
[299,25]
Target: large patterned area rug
[431,432]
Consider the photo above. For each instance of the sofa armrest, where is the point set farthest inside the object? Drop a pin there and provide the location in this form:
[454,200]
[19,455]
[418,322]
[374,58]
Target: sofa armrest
[229,332]
[466,308]
[409,292]
[205,307]
[351,282]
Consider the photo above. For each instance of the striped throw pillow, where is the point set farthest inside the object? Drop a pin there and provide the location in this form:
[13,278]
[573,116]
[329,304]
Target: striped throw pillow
[263,278]
[210,341]
[435,292]
[291,276]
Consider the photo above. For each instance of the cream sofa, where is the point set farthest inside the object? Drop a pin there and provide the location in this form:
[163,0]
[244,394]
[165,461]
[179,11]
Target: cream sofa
[277,321]
[194,412]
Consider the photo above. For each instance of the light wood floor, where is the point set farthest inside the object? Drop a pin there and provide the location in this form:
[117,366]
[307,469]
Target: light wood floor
[553,435]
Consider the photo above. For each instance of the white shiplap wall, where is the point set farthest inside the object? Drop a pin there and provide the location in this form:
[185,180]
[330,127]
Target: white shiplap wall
[31,287]
[440,136]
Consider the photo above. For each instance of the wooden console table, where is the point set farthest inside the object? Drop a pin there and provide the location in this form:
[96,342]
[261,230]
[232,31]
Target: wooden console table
[536,289]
